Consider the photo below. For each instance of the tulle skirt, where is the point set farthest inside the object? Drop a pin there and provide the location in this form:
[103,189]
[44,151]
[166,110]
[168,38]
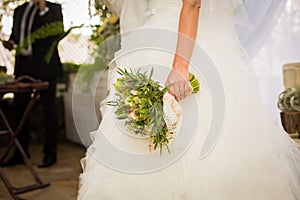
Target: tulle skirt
[252,158]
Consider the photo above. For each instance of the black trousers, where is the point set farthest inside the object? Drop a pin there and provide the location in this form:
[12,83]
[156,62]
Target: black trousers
[48,100]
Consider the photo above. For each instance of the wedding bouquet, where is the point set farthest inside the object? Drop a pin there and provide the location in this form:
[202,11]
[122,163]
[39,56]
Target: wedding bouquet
[140,103]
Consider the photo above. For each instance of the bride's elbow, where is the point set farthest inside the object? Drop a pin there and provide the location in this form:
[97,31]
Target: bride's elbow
[192,4]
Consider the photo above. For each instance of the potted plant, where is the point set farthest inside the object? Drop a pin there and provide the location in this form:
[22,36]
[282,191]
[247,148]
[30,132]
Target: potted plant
[289,104]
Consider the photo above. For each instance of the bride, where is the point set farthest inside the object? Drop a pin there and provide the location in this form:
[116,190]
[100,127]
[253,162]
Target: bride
[226,149]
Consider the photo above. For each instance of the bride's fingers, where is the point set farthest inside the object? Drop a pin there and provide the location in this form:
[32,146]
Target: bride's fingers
[177,91]
[180,87]
[185,90]
[188,88]
[172,90]
[182,90]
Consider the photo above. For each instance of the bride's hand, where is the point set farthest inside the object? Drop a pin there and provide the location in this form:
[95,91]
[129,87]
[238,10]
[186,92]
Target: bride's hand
[181,86]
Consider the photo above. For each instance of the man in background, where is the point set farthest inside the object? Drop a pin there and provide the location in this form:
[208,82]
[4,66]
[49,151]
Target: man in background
[30,60]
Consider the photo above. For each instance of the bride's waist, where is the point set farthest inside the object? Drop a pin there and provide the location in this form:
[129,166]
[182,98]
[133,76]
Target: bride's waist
[162,17]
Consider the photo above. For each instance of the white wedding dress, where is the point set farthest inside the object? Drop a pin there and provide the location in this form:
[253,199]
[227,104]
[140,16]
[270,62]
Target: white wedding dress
[251,158]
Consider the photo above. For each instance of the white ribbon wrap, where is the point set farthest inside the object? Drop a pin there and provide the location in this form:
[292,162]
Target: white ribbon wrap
[172,113]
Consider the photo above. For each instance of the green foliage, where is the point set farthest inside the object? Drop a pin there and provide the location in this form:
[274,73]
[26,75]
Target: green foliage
[53,29]
[68,68]
[56,41]
[108,27]
[289,100]
[7,7]
[104,51]
[140,104]
[194,83]
[45,31]
[86,74]
[103,55]
[101,9]
[99,35]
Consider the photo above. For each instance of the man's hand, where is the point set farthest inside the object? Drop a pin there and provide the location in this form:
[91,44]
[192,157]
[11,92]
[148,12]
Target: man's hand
[41,4]
[8,44]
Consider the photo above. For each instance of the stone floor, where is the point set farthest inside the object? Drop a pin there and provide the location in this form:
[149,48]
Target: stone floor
[63,176]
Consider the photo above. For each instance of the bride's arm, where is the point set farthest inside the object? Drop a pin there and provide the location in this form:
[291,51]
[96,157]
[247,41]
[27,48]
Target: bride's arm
[188,26]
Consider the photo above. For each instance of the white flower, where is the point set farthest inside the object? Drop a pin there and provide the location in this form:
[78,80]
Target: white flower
[148,129]
[133,92]
[133,116]
[127,100]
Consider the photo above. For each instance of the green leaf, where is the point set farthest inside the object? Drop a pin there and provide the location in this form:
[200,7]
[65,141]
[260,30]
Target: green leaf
[151,73]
